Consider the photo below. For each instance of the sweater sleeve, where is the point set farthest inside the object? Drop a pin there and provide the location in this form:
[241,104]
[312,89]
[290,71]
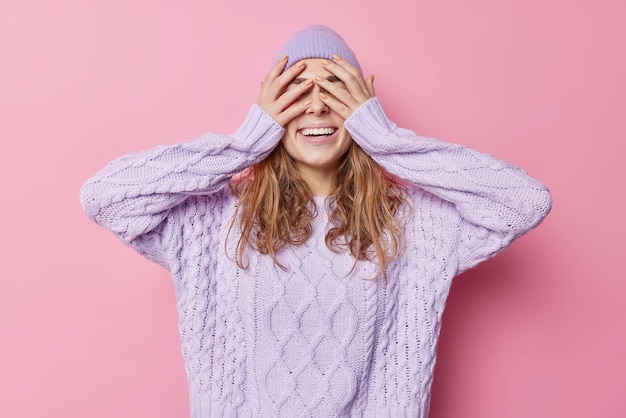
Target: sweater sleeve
[496,202]
[134,194]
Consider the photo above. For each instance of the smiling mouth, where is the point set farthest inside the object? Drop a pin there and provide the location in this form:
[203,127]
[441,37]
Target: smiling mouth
[317,132]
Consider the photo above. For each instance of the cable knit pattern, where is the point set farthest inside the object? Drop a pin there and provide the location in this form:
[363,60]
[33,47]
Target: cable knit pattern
[319,338]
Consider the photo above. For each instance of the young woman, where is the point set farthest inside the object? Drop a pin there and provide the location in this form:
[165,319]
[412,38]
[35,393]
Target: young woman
[313,249]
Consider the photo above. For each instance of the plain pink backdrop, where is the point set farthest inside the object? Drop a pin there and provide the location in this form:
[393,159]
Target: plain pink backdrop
[88,328]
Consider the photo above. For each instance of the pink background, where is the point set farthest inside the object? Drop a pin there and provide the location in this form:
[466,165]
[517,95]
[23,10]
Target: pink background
[88,328]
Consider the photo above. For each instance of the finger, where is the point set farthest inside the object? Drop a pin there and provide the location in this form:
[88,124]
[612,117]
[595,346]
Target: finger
[278,78]
[293,111]
[352,96]
[289,105]
[280,83]
[337,105]
[369,82]
[347,73]
[340,93]
[276,69]
[273,87]
[271,75]
[298,90]
[293,94]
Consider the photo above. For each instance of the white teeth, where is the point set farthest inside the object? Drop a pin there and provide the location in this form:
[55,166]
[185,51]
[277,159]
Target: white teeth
[317,131]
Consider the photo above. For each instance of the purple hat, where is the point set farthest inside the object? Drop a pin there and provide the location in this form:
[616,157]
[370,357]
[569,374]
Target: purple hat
[317,41]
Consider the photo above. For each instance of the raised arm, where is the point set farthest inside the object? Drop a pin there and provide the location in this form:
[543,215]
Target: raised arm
[133,194]
[497,201]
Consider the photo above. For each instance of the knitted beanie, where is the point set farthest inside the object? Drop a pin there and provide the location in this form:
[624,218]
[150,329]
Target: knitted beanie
[317,41]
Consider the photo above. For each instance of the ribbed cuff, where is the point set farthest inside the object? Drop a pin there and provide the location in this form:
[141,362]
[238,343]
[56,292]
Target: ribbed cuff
[259,132]
[369,126]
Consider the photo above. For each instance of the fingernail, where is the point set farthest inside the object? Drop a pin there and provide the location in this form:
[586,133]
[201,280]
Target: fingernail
[336,57]
[318,78]
[324,96]
[326,62]
[283,58]
[308,103]
[308,83]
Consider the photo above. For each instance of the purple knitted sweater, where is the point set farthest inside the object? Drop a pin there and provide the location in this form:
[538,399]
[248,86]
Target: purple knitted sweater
[319,338]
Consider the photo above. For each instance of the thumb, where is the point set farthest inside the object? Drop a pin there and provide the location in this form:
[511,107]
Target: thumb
[369,83]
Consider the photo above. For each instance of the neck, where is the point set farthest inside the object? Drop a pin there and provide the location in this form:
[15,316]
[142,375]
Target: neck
[319,181]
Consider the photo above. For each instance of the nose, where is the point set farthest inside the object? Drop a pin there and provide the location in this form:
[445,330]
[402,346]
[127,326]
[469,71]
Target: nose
[317,106]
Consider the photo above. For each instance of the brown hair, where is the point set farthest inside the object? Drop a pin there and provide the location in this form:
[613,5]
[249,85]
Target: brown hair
[276,208]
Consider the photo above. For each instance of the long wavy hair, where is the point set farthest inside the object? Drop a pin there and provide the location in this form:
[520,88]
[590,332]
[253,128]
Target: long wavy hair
[277,207]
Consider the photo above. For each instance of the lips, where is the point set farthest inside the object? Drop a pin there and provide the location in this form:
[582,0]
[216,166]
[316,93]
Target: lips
[318,131]
[319,134]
